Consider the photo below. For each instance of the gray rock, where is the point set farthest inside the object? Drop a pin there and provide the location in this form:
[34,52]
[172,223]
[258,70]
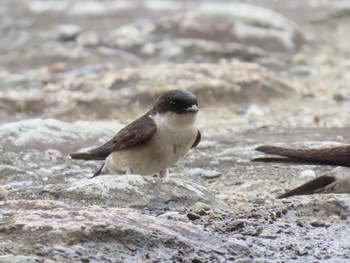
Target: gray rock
[203,172]
[242,23]
[48,134]
[18,259]
[133,90]
[68,31]
[59,225]
[139,191]
[88,38]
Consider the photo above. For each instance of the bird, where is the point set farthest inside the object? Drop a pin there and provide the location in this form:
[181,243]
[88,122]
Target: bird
[153,142]
[336,181]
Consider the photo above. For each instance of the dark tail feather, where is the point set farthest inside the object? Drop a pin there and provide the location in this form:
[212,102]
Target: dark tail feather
[314,186]
[98,171]
[86,156]
[282,160]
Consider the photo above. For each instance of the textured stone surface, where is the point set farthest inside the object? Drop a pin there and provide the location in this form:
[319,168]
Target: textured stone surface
[134,90]
[216,206]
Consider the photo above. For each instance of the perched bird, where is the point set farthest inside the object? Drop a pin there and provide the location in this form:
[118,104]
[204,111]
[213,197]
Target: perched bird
[336,181]
[153,142]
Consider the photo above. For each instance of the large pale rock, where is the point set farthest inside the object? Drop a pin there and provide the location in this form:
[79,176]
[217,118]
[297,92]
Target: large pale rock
[127,92]
[242,23]
[140,191]
[64,232]
[45,134]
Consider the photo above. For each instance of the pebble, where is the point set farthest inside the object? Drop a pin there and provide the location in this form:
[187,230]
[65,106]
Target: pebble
[204,173]
[193,216]
[254,110]
[3,192]
[88,38]
[174,215]
[201,208]
[68,31]
[20,184]
[18,259]
[307,174]
[44,172]
[267,233]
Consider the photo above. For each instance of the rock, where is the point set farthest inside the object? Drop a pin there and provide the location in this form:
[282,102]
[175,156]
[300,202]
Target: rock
[193,216]
[242,23]
[133,90]
[44,6]
[201,208]
[203,172]
[3,192]
[68,32]
[254,110]
[18,259]
[119,232]
[205,50]
[138,191]
[88,38]
[307,174]
[49,134]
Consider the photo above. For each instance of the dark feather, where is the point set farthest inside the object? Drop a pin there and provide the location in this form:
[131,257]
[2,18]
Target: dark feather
[282,160]
[135,134]
[314,186]
[338,156]
[98,171]
[197,141]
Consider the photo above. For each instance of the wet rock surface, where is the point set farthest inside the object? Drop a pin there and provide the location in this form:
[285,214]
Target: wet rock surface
[73,73]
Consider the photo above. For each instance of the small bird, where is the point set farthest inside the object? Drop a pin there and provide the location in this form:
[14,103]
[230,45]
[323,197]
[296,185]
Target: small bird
[338,179]
[154,142]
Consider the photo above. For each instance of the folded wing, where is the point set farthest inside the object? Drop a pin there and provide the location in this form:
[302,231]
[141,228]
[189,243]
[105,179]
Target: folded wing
[133,135]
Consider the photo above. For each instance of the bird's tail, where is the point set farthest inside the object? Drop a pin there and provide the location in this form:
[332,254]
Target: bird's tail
[314,186]
[86,156]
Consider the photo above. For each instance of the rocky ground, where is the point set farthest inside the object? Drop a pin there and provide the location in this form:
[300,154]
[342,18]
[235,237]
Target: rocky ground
[266,72]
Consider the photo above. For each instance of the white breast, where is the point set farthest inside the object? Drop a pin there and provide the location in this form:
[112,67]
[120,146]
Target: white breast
[174,137]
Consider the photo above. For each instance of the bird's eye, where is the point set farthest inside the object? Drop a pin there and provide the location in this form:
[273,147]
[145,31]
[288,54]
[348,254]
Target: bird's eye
[172,102]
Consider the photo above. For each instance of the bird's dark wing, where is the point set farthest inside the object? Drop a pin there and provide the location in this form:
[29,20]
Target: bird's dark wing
[314,186]
[135,134]
[338,156]
[198,139]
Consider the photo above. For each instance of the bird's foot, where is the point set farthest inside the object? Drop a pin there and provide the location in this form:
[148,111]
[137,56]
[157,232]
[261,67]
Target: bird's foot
[163,174]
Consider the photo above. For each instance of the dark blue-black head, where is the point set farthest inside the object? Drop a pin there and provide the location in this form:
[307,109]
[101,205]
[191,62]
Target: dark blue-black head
[177,101]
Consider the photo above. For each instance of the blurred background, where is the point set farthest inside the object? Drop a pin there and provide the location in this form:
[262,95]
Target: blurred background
[94,59]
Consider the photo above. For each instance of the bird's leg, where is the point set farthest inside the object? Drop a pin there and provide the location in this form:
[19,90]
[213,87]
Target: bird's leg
[128,171]
[163,174]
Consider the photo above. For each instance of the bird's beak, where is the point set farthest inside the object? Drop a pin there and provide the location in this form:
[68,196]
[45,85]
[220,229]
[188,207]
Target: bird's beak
[193,108]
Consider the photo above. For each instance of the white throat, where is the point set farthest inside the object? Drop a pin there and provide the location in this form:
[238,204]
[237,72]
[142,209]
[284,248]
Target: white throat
[176,121]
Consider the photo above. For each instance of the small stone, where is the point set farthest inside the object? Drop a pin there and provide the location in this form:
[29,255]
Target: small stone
[203,172]
[44,172]
[301,252]
[17,259]
[174,215]
[3,192]
[254,110]
[58,68]
[54,152]
[288,246]
[267,233]
[88,38]
[317,223]
[201,208]
[193,216]
[307,174]
[68,32]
